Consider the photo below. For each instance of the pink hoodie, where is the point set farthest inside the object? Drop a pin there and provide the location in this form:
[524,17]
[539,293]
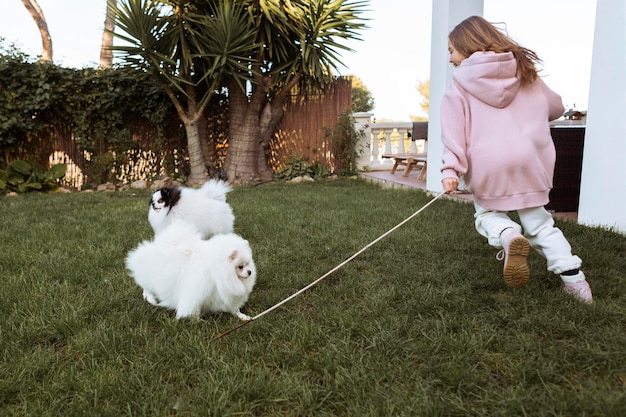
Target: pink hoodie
[497,134]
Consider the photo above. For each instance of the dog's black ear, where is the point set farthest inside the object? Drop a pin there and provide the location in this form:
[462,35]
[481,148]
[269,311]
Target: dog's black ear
[170,195]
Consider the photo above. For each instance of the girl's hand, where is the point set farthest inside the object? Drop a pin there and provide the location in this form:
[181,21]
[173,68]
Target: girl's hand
[450,185]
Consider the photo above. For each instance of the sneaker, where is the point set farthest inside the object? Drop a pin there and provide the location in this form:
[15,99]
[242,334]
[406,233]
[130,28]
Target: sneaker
[579,288]
[515,251]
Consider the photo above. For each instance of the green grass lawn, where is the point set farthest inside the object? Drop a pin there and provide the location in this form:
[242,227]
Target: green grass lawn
[421,324]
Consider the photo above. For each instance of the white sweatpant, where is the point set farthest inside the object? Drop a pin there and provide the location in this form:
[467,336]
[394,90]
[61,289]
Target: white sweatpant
[538,227]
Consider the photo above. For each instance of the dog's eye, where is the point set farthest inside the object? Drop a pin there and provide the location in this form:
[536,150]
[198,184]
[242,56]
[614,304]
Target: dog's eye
[160,200]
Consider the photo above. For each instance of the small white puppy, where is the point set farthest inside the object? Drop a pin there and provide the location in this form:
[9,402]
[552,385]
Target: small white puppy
[205,208]
[180,271]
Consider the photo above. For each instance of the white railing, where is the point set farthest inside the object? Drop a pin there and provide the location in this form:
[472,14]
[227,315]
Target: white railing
[384,138]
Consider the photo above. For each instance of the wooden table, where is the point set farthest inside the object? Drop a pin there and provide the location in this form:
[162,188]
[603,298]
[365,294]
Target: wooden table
[410,160]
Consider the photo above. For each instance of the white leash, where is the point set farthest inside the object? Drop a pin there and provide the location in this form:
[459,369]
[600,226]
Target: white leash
[294,295]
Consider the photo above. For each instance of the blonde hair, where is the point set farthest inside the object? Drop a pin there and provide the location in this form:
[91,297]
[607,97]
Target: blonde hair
[477,34]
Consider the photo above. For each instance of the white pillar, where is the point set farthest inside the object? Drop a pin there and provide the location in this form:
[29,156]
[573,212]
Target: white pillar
[388,141]
[446,15]
[401,141]
[603,181]
[362,123]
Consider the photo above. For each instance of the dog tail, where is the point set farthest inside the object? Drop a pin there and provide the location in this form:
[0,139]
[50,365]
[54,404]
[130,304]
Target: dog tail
[216,189]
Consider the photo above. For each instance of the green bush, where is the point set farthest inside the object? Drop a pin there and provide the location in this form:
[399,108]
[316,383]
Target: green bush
[297,166]
[91,112]
[345,139]
[24,176]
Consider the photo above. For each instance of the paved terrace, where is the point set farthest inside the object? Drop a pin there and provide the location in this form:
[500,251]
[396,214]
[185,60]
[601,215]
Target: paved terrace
[387,179]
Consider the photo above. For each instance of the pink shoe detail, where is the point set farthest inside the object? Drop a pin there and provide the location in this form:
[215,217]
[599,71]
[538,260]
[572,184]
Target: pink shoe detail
[580,290]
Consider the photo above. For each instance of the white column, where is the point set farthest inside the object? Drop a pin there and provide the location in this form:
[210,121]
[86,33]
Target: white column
[446,15]
[603,182]
[375,149]
[387,141]
[362,123]
[401,142]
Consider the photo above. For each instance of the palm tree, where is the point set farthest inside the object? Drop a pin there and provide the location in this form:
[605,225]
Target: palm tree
[256,50]
[297,45]
[106,54]
[189,52]
[37,14]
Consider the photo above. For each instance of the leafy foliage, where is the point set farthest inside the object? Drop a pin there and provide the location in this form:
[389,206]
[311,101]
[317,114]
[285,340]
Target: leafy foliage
[345,139]
[256,50]
[362,98]
[24,176]
[104,111]
[297,166]
[423,87]
[189,46]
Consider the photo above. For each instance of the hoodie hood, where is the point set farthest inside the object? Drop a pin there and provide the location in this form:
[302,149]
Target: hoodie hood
[490,77]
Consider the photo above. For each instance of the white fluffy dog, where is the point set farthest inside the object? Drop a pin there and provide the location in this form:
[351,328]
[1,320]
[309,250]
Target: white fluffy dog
[205,208]
[180,271]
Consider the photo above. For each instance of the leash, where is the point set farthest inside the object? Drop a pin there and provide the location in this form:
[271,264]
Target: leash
[312,284]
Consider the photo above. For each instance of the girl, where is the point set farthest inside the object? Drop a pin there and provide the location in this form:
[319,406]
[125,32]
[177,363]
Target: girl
[496,134]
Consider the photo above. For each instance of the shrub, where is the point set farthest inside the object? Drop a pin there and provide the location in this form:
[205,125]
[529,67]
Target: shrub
[345,139]
[297,166]
[24,176]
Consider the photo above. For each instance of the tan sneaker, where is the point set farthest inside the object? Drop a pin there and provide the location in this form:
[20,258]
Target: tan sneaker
[515,251]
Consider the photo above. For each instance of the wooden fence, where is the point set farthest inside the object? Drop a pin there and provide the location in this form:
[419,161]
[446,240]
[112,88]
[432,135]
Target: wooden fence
[302,131]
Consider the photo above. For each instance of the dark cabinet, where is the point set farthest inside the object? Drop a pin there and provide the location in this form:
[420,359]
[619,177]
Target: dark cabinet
[569,142]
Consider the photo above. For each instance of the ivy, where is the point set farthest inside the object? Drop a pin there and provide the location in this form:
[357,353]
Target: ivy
[104,110]
[345,140]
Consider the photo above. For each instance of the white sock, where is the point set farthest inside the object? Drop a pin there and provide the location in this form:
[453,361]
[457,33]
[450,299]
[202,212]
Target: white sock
[570,279]
[504,234]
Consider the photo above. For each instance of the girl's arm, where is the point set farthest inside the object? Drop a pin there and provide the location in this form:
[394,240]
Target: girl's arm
[453,136]
[555,102]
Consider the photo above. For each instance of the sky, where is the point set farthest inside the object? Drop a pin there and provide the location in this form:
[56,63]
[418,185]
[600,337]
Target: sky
[392,58]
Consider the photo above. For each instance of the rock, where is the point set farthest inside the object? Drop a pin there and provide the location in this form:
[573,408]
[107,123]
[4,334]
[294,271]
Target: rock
[297,180]
[107,187]
[160,183]
[139,185]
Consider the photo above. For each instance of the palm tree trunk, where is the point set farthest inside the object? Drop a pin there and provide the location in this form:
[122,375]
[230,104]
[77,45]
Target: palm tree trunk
[243,139]
[208,149]
[46,41]
[251,126]
[191,118]
[198,174]
[270,118]
[243,149]
[106,54]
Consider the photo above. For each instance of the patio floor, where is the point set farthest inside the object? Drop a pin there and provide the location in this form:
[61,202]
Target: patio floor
[387,179]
